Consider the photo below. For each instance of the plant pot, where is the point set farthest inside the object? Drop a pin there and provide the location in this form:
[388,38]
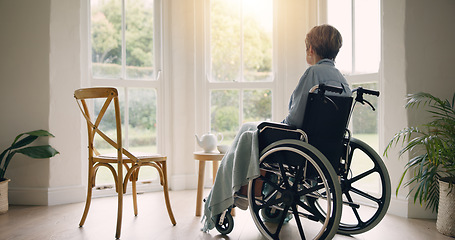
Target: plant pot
[446,210]
[4,195]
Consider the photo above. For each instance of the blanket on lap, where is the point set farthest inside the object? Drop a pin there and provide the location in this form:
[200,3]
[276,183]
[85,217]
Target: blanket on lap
[238,166]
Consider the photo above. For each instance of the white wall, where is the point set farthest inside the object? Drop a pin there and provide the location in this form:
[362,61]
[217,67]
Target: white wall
[179,66]
[40,68]
[67,171]
[429,47]
[45,37]
[418,47]
[25,88]
[393,89]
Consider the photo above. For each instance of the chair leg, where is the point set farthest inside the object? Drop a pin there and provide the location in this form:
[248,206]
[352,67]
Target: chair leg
[133,183]
[166,194]
[119,184]
[88,201]
[119,214]
[87,204]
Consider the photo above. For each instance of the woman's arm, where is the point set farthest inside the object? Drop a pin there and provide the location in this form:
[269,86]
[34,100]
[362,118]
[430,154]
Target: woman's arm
[297,103]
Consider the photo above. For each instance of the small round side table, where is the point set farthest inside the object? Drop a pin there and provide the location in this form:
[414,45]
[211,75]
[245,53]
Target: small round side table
[215,157]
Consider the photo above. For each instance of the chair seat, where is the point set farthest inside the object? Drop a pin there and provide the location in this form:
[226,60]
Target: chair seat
[142,157]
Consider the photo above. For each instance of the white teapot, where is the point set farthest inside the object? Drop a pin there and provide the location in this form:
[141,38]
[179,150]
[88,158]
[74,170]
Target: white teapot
[209,141]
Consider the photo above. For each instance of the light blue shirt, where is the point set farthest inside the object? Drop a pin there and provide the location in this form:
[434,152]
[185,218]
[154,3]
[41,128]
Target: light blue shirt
[323,72]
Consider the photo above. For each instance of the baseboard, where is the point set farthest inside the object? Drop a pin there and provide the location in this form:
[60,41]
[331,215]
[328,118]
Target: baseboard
[183,182]
[46,196]
[64,195]
[27,196]
[404,207]
[398,207]
[418,211]
[73,194]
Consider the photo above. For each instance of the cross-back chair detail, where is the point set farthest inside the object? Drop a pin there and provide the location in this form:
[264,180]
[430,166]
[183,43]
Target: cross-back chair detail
[122,158]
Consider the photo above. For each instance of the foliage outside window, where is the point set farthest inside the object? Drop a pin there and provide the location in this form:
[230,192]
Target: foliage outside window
[225,105]
[107,40]
[241,40]
[123,55]
[241,33]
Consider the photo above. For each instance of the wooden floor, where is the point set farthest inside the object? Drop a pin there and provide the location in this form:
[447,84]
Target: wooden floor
[62,222]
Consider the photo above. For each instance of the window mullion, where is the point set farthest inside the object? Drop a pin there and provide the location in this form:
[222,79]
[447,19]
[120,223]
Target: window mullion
[241,42]
[157,33]
[240,106]
[123,74]
[353,35]
[126,118]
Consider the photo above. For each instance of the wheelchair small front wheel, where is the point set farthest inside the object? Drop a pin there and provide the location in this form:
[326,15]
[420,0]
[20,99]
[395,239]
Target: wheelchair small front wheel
[225,225]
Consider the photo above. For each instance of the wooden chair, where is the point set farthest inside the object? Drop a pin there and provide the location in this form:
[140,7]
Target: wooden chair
[123,158]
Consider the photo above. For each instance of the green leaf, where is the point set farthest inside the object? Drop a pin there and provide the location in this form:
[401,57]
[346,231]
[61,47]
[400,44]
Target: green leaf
[40,133]
[3,155]
[7,160]
[23,142]
[45,151]
[17,138]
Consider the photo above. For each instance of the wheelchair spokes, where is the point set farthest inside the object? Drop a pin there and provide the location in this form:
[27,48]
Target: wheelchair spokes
[288,185]
[367,185]
[366,190]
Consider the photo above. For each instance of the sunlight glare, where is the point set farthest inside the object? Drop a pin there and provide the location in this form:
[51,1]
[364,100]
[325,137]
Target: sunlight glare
[363,34]
[262,11]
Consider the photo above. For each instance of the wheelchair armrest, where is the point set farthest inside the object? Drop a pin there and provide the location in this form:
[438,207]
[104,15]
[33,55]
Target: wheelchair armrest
[262,126]
[270,132]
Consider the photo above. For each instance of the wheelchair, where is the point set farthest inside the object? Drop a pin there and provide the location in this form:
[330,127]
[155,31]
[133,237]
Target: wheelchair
[316,181]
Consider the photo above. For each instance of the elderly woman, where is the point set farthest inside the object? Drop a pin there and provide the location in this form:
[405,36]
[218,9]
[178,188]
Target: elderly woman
[241,164]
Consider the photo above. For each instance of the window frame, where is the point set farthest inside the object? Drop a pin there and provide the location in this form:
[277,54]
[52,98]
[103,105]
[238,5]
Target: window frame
[354,77]
[208,85]
[157,82]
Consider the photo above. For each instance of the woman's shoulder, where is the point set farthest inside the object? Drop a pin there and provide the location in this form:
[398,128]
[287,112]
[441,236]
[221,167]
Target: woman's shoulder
[321,69]
[324,63]
[321,66]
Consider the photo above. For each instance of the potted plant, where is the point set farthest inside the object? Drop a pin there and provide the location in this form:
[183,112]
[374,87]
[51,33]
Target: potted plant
[432,158]
[19,146]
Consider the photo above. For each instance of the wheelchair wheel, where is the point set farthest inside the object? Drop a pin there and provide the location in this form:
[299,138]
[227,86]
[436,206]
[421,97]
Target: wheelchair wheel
[301,172]
[367,186]
[226,225]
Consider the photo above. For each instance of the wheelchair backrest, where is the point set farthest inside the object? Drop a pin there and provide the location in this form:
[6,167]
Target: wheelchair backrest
[325,122]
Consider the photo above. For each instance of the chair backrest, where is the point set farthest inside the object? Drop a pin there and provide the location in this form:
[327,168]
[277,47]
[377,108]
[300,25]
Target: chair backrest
[110,95]
[325,122]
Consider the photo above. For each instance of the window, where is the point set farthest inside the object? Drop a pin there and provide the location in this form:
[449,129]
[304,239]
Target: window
[360,56]
[126,53]
[240,69]
[361,51]
[359,60]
